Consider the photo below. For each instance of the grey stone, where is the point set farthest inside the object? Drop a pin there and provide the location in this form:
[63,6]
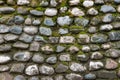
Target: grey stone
[64,57]
[61,68]
[83,38]
[10,37]
[107,18]
[51,11]
[92,11]
[18,19]
[59,77]
[19,77]
[99,1]
[106,27]
[4,58]
[98,38]
[85,48]
[51,60]
[4,29]
[47,78]
[32,70]
[16,30]
[73,76]
[5,47]
[36,22]
[39,38]
[6,76]
[53,3]
[107,8]
[23,2]
[111,64]
[74,2]
[22,10]
[117,1]
[82,57]
[76,67]
[44,3]
[1,39]
[67,39]
[63,31]
[116,25]
[46,70]
[96,55]
[22,56]
[20,45]
[60,48]
[26,38]
[73,49]
[63,9]
[38,58]
[28,21]
[17,68]
[6,9]
[92,29]
[53,39]
[96,20]
[94,47]
[47,49]
[34,78]
[30,30]
[45,31]
[90,76]
[65,20]
[4,68]
[114,36]
[88,3]
[49,22]
[81,22]
[34,46]
[36,12]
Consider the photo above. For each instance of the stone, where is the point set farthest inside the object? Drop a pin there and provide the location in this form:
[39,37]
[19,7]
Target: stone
[107,8]
[73,49]
[111,64]
[118,9]
[74,2]
[95,65]
[51,60]
[19,77]
[90,76]
[76,67]
[16,29]
[118,73]
[20,45]
[6,76]
[81,22]
[23,2]
[18,19]
[53,3]
[45,31]
[88,3]
[83,38]
[22,10]
[5,47]
[106,27]
[82,57]
[10,37]
[44,3]
[107,74]
[38,58]
[92,29]
[73,76]
[94,47]
[96,20]
[47,78]
[98,38]
[4,29]
[61,68]
[47,49]
[116,25]
[1,39]
[4,59]
[96,55]
[34,78]
[64,21]
[63,31]
[64,57]
[99,1]
[36,13]
[92,11]
[36,22]
[39,38]
[32,70]
[107,18]
[26,38]
[105,46]
[22,56]
[117,1]
[59,77]
[85,48]
[67,39]
[63,9]
[28,21]
[34,46]
[49,22]
[113,53]
[77,12]
[6,10]
[17,68]
[51,12]
[53,39]
[4,68]
[60,48]
[11,2]
[30,30]
[46,70]
[114,36]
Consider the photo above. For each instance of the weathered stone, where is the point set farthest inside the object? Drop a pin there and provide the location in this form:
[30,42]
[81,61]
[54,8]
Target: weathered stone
[22,10]
[6,76]
[83,38]
[82,57]
[32,70]
[38,58]
[18,19]
[116,25]
[4,68]
[85,48]
[59,77]
[88,3]
[10,37]
[94,47]
[20,45]
[51,60]
[36,22]
[74,76]
[61,68]
[47,78]
[39,38]
[53,39]
[117,1]
[1,39]
[6,9]
[11,2]
[23,2]
[34,78]
[106,46]
[98,38]
[17,68]
[46,70]
[51,12]
[73,49]
[62,21]
[49,22]
[19,77]
[63,31]
[99,1]
[74,2]
[5,47]
[45,31]
[92,29]
[36,12]
[90,76]
[60,48]
[107,8]
[92,11]
[44,3]
[53,3]
[114,36]
[96,55]
[63,9]
[65,57]
[107,18]
[28,21]
[4,59]
[47,49]
[34,46]
[16,30]
[67,39]
[4,29]
[76,67]
[22,56]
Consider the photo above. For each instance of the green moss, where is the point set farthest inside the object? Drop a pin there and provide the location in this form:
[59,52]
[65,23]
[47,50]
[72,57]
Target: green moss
[40,8]
[55,34]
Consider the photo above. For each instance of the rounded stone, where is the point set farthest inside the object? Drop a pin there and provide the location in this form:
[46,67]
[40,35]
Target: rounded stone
[49,22]
[34,78]
[90,76]
[19,77]
[74,76]
[30,30]
[16,30]
[38,58]
[51,12]
[74,2]
[36,22]
[107,8]
[92,11]
[18,19]
[45,31]
[51,60]
[6,9]
[4,59]
[88,3]
[96,55]
[111,64]
[23,2]
[36,12]
[61,68]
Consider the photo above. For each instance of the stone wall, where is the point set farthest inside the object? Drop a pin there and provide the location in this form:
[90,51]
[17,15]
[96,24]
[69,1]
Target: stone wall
[59,39]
